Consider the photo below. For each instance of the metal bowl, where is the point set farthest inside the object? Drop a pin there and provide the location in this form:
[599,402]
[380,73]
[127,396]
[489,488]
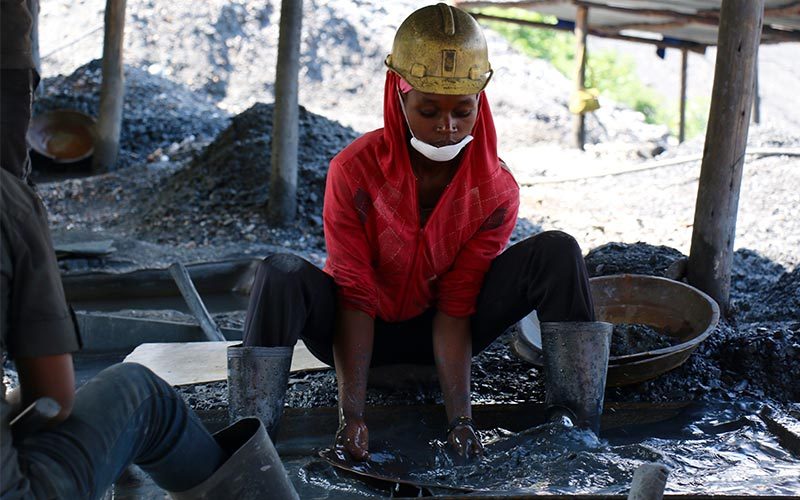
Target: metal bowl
[671,307]
[63,135]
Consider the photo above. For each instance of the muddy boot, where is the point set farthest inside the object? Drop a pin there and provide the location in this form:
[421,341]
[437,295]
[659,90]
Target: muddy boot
[257,379]
[649,482]
[575,367]
[252,471]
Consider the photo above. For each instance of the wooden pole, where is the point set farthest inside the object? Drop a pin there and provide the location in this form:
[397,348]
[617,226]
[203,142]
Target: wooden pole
[112,90]
[33,9]
[756,97]
[711,253]
[581,26]
[181,276]
[282,205]
[682,125]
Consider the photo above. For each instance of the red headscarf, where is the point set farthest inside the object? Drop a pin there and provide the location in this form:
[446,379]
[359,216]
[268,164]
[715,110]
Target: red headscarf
[480,154]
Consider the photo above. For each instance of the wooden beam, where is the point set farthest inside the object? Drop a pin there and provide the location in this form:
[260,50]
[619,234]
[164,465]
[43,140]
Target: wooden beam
[524,4]
[682,123]
[704,17]
[567,26]
[282,205]
[581,24]
[112,90]
[711,254]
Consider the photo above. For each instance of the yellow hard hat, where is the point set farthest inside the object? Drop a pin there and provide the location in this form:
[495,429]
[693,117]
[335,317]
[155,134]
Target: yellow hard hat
[440,49]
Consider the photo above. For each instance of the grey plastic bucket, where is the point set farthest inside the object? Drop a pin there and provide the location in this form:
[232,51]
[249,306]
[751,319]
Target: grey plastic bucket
[257,380]
[575,366]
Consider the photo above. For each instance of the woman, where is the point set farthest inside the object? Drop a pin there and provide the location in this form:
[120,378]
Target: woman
[416,216]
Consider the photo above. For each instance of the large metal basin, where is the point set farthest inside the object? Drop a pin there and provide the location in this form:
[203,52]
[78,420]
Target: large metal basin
[672,307]
[63,135]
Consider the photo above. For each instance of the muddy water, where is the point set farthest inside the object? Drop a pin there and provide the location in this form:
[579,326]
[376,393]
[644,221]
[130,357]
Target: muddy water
[711,449]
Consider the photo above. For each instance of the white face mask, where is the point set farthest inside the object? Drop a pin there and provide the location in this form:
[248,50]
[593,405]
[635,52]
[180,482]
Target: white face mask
[429,151]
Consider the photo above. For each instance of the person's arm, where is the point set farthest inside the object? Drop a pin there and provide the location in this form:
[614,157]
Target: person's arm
[352,352]
[47,376]
[350,264]
[452,349]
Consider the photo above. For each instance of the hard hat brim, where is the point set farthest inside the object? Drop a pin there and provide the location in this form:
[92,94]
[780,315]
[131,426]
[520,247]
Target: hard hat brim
[446,86]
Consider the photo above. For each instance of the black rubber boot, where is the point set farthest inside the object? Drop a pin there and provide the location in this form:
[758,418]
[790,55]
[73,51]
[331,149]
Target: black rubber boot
[253,470]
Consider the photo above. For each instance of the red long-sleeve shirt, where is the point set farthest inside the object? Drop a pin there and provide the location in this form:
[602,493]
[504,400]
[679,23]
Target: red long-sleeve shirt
[383,262]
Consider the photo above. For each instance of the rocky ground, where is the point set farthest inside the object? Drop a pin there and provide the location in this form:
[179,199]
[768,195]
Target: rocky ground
[194,165]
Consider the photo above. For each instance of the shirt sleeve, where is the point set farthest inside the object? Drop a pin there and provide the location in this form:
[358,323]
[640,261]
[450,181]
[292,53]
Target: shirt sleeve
[460,286]
[349,254]
[38,322]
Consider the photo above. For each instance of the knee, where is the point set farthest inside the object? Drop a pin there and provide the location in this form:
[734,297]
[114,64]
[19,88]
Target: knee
[558,243]
[132,373]
[559,247]
[283,267]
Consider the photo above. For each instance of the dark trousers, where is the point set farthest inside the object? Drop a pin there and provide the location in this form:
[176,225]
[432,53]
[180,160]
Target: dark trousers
[16,97]
[126,414]
[291,299]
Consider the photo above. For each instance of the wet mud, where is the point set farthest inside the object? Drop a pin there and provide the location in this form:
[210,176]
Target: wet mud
[709,448]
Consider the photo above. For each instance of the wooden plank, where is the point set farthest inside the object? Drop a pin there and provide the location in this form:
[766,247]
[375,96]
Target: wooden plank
[112,90]
[711,254]
[184,363]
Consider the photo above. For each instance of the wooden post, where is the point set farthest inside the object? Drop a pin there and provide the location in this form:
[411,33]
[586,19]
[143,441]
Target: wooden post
[711,253]
[282,205]
[581,29]
[112,90]
[682,125]
[756,97]
[33,9]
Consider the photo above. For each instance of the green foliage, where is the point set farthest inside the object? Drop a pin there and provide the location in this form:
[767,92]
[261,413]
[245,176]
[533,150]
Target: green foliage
[696,116]
[550,45]
[612,74]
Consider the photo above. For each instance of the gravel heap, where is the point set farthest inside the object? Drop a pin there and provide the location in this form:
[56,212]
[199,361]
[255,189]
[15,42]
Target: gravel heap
[228,51]
[755,352]
[229,184]
[156,114]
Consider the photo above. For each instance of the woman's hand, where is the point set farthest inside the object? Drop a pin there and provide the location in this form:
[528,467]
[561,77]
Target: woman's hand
[353,438]
[464,442]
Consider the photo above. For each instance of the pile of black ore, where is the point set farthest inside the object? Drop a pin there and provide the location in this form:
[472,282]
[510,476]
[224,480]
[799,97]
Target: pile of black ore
[157,112]
[754,351]
[229,183]
[633,258]
[632,338]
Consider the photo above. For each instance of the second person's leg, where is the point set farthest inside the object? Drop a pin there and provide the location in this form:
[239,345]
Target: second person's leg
[291,298]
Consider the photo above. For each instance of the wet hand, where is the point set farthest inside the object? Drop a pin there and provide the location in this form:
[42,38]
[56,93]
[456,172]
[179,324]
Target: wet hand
[353,438]
[464,442]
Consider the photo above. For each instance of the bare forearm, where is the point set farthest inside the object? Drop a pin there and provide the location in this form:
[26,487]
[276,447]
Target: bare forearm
[48,376]
[452,348]
[352,352]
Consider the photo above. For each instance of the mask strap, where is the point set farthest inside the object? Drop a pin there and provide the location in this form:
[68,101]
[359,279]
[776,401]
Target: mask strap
[405,115]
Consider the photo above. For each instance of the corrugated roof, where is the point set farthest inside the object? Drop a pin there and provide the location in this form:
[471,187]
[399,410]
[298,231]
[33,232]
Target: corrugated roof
[690,22]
